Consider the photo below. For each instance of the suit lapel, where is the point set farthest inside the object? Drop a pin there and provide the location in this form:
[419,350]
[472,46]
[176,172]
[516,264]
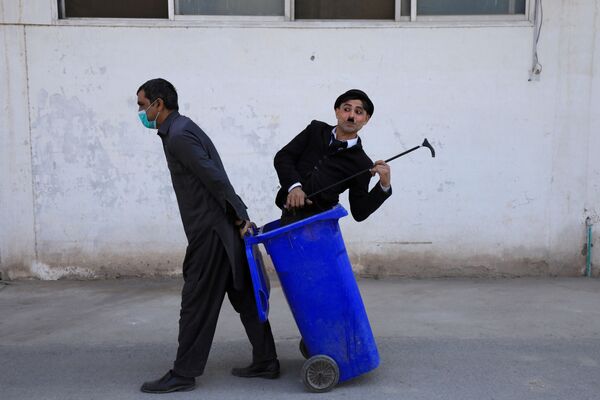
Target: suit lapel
[326,137]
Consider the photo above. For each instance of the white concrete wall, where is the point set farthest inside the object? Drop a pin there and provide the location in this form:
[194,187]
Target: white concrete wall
[28,11]
[593,174]
[508,193]
[17,238]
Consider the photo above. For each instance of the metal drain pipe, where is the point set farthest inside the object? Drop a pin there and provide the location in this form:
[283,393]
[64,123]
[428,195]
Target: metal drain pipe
[588,258]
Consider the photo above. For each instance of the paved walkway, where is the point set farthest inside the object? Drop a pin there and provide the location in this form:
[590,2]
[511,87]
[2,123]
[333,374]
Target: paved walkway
[439,339]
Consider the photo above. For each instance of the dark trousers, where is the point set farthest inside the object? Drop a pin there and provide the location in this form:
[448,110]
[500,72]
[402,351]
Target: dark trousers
[297,214]
[207,277]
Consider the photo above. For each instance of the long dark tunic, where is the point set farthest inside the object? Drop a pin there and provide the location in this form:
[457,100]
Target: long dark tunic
[207,201]
[215,262]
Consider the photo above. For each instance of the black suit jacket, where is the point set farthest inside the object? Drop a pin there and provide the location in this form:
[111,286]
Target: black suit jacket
[207,202]
[308,159]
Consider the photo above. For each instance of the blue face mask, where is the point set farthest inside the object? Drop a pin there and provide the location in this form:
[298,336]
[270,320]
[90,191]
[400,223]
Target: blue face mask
[144,117]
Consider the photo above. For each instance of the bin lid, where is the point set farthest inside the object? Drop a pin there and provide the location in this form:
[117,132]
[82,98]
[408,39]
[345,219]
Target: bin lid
[260,279]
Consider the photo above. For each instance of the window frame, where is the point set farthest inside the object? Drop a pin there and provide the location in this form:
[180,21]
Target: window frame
[483,17]
[288,19]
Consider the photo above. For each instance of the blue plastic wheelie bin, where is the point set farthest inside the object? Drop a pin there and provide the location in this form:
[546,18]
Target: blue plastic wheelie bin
[316,276]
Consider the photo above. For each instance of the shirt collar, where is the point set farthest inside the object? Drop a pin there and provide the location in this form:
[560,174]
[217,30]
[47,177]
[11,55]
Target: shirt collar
[163,129]
[351,142]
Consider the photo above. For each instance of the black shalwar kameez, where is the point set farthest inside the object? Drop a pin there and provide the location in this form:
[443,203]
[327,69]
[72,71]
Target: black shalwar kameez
[215,261]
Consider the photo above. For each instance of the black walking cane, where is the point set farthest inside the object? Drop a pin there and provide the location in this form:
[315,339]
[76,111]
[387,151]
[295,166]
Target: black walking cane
[424,144]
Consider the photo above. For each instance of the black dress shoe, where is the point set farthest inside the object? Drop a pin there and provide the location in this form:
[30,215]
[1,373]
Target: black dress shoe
[171,382]
[265,369]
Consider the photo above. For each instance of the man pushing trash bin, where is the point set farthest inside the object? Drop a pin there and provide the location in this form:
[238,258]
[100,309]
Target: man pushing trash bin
[214,218]
[322,155]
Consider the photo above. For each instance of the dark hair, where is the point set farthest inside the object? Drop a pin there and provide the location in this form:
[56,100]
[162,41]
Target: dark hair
[355,94]
[161,89]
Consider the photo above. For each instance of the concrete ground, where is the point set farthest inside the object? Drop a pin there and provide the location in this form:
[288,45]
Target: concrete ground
[438,339]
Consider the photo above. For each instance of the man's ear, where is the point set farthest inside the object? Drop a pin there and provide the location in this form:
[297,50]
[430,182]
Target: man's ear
[160,104]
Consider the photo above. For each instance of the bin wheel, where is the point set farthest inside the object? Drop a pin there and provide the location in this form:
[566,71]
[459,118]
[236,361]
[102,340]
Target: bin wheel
[320,373]
[303,349]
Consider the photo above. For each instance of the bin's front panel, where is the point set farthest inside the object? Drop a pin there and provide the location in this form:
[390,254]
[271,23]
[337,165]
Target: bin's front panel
[318,283]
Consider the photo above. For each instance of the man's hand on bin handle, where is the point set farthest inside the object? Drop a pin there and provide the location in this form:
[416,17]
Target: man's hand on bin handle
[246,227]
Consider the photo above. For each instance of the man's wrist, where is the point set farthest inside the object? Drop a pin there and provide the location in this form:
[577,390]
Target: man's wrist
[294,186]
[385,188]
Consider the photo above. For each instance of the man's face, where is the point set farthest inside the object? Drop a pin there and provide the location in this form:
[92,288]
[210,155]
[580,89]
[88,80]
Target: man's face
[144,104]
[351,116]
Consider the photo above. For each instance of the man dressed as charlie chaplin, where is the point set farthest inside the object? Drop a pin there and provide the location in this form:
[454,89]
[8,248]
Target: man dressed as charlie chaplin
[322,155]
